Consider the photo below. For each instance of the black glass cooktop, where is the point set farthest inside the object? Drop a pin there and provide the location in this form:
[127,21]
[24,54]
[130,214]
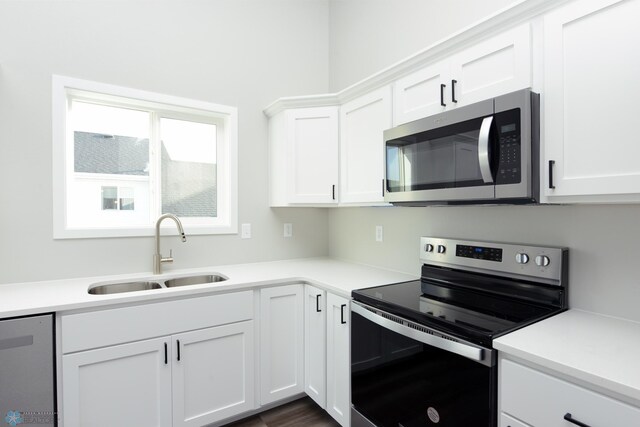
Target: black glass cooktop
[466,313]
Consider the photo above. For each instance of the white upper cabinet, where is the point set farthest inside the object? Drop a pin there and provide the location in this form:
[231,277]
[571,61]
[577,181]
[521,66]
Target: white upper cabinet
[590,89]
[495,66]
[420,94]
[362,122]
[498,65]
[304,156]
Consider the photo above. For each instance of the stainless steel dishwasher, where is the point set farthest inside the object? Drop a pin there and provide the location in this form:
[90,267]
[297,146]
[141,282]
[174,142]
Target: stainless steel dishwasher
[27,376]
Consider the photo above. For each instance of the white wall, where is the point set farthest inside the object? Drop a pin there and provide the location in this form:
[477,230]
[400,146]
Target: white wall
[368,35]
[244,53]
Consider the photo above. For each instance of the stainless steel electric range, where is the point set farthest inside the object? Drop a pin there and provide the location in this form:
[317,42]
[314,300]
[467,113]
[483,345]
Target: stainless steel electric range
[421,351]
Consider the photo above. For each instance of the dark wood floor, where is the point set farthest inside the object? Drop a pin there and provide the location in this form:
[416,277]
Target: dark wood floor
[301,412]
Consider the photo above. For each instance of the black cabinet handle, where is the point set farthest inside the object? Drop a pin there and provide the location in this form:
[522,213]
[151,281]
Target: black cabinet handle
[166,356]
[453,91]
[552,163]
[333,191]
[318,303]
[382,187]
[568,417]
[442,87]
[342,307]
[178,343]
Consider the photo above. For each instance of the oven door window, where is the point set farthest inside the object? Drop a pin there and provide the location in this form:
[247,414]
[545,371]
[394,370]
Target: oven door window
[397,381]
[446,157]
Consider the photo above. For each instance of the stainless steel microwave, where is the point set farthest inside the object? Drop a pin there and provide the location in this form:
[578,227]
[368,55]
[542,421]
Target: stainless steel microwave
[483,153]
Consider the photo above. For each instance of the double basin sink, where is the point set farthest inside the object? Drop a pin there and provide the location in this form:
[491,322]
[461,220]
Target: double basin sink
[149,284]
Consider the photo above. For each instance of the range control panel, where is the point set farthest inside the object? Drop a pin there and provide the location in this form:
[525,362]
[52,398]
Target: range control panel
[514,259]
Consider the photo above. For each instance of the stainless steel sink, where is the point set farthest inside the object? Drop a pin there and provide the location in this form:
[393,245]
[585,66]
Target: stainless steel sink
[116,288]
[194,280]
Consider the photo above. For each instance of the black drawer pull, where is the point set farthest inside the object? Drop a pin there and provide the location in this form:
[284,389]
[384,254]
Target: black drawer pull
[568,417]
[551,165]
[342,307]
[442,87]
[318,303]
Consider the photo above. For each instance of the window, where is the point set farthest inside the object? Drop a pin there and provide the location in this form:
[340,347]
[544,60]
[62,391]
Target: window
[122,157]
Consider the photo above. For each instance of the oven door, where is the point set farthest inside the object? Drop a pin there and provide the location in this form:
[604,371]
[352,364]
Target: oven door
[446,157]
[406,375]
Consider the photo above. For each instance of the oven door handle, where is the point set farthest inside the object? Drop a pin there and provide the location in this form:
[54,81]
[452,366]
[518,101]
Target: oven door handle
[483,150]
[468,351]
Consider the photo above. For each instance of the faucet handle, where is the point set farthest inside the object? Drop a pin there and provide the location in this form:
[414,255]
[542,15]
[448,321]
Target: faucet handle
[169,258]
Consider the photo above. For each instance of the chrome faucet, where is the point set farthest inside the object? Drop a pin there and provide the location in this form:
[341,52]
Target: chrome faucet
[157,258]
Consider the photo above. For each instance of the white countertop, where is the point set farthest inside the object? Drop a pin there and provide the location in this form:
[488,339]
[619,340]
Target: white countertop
[600,350]
[339,277]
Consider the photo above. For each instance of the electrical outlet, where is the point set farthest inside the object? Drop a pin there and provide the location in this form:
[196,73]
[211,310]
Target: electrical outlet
[246,231]
[288,230]
[378,233]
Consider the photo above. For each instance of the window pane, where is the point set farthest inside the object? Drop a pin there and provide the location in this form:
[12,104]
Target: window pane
[110,140]
[126,199]
[109,198]
[189,169]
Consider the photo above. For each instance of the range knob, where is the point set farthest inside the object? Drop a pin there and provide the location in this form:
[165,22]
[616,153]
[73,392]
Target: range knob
[542,261]
[522,258]
[441,249]
[428,247]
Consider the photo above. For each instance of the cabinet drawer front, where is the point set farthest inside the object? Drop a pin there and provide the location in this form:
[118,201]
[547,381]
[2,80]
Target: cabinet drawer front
[542,400]
[108,327]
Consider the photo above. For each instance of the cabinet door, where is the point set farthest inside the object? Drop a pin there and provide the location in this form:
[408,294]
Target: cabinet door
[312,140]
[493,67]
[315,348]
[362,122]
[590,81]
[123,385]
[212,374]
[338,368]
[281,342]
[420,94]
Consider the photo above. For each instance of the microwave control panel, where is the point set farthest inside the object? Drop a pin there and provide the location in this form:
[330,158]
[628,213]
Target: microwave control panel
[509,168]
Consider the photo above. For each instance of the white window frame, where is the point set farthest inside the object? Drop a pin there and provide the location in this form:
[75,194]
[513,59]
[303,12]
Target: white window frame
[65,88]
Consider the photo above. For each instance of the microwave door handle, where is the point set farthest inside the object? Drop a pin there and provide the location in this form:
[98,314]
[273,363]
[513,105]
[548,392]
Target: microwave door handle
[465,350]
[483,150]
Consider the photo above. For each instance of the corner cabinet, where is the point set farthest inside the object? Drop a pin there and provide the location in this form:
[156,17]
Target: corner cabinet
[495,66]
[327,358]
[182,379]
[362,123]
[303,155]
[281,342]
[529,397]
[589,99]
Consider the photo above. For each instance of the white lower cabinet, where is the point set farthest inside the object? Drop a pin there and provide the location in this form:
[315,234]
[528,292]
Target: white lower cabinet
[327,361]
[128,384]
[529,397]
[213,379]
[281,342]
[338,360]
[194,378]
[315,344]
[199,371]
